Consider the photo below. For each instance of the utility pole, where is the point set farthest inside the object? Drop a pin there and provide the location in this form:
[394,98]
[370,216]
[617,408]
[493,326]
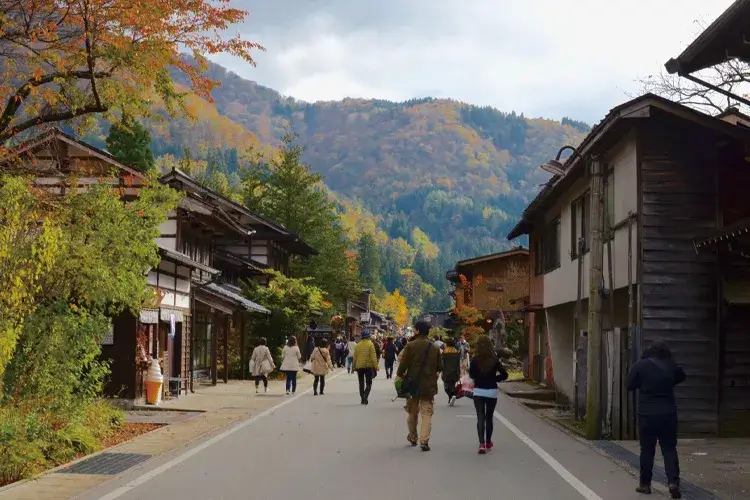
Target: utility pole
[596,264]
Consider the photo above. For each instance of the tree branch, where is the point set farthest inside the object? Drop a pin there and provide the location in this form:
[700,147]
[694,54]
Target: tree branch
[52,117]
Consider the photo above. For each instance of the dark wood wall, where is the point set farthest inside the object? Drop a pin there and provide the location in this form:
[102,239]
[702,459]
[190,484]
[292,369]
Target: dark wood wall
[679,286]
[122,381]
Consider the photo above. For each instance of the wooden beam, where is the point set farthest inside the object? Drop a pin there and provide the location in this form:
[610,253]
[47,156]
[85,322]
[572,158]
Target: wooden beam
[227,329]
[243,347]
[214,348]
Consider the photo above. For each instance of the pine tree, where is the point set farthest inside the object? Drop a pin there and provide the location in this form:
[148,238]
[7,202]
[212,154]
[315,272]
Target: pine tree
[289,192]
[130,142]
[368,258]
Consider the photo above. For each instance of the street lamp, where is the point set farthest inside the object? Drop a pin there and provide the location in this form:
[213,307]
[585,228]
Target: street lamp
[596,281]
[555,166]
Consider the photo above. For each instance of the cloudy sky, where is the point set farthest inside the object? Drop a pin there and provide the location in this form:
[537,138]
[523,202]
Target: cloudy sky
[548,58]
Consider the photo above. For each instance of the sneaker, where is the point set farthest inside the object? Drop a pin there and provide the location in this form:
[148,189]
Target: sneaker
[452,401]
[674,491]
[644,489]
[256,390]
[315,393]
[490,445]
[425,446]
[412,442]
[266,390]
[287,393]
[482,449]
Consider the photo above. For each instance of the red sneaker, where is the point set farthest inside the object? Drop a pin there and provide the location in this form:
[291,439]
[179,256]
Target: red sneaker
[482,449]
[490,445]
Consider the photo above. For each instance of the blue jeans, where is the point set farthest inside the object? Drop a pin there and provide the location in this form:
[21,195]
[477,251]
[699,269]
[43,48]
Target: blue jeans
[349,360]
[291,380]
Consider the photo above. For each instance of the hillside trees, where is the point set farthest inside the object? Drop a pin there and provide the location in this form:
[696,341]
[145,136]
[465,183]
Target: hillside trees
[368,258]
[71,59]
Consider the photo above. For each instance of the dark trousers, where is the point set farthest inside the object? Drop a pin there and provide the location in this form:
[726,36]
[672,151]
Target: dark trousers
[364,376]
[291,380]
[259,378]
[664,429]
[449,385]
[319,379]
[389,368]
[485,408]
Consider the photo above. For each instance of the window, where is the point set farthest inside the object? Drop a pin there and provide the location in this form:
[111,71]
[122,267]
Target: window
[609,197]
[202,341]
[548,248]
[579,224]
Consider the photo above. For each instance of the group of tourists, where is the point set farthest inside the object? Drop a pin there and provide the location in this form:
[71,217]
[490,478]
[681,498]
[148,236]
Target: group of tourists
[422,359]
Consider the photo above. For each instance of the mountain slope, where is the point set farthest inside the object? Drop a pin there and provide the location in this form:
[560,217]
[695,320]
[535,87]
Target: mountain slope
[461,173]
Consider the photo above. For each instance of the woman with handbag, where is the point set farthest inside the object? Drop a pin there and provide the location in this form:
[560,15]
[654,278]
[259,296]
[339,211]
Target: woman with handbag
[321,365]
[486,371]
[261,364]
[291,356]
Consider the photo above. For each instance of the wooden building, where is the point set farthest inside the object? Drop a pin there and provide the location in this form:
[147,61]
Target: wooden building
[673,179]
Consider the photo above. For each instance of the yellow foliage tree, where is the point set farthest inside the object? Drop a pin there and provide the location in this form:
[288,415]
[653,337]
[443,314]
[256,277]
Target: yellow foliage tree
[394,305]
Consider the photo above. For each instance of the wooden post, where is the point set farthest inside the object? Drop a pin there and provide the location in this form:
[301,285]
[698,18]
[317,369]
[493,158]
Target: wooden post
[596,263]
[215,348]
[577,324]
[243,348]
[611,278]
[227,329]
[627,342]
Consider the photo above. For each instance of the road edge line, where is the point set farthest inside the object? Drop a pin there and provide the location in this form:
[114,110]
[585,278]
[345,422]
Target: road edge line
[564,473]
[148,476]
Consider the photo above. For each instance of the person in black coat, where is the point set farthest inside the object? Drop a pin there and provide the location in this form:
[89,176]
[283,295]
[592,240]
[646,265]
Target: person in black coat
[451,369]
[655,376]
[390,357]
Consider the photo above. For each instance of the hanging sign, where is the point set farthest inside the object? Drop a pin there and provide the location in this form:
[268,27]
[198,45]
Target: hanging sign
[172,326]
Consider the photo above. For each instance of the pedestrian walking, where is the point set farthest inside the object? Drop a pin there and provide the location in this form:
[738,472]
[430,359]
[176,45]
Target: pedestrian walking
[655,376]
[309,346]
[486,371]
[321,365]
[451,369]
[366,364]
[350,353]
[378,348]
[261,364]
[420,364]
[339,351]
[390,357]
[291,356]
[463,347]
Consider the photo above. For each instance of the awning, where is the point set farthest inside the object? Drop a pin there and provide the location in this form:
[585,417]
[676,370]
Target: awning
[153,316]
[149,316]
[725,39]
[725,233]
[185,260]
[165,312]
[230,294]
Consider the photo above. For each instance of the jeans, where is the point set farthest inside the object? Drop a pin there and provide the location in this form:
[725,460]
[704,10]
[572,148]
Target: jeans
[365,382]
[263,378]
[485,408]
[349,360]
[389,368]
[291,380]
[419,409]
[664,429]
[449,385]
[322,380]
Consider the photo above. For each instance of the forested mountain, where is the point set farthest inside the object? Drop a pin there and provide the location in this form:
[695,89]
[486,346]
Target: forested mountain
[434,180]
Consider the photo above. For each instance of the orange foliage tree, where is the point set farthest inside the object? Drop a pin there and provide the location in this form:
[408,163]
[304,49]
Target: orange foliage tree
[66,60]
[469,316]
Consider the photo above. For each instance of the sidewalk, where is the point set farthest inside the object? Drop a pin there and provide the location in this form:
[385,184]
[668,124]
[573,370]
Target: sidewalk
[222,405]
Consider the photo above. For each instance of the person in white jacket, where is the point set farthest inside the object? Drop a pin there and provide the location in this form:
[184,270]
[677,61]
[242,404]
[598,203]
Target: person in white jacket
[261,364]
[350,353]
[291,356]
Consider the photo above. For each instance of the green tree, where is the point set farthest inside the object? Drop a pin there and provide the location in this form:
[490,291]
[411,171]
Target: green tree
[289,192]
[368,259]
[130,142]
[291,302]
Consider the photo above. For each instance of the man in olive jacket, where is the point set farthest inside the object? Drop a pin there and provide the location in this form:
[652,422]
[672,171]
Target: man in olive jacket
[414,364]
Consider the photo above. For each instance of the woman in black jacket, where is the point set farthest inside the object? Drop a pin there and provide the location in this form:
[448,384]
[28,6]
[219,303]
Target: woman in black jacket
[654,376]
[486,371]
[390,357]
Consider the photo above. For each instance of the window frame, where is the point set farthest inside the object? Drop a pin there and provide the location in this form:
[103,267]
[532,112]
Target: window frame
[609,198]
[580,213]
[550,252]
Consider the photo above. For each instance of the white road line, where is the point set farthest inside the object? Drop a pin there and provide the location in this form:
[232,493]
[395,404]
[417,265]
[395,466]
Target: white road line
[564,473]
[194,451]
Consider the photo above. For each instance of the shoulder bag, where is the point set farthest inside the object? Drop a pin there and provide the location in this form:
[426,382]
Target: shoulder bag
[408,387]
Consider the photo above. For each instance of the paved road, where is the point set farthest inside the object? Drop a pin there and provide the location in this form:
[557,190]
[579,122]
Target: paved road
[331,447]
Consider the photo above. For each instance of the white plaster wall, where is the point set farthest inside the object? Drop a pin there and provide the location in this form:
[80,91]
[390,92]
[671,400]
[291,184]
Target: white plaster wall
[560,285]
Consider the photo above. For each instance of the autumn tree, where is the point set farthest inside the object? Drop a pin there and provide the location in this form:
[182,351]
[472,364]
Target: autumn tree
[130,142]
[69,59]
[287,191]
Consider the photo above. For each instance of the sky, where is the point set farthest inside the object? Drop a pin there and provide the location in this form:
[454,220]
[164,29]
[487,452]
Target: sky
[543,58]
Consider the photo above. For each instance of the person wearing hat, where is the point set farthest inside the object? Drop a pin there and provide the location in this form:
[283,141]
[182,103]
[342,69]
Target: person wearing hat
[366,365]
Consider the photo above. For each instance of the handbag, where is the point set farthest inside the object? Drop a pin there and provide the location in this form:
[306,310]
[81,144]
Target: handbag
[408,387]
[467,387]
[252,366]
[307,368]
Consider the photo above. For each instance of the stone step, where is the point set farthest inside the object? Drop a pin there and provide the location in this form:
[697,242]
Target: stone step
[537,405]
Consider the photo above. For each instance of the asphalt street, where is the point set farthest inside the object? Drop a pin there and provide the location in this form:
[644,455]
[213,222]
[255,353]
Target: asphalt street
[333,447]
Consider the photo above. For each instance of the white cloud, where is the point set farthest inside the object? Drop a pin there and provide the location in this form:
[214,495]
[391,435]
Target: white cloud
[540,57]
